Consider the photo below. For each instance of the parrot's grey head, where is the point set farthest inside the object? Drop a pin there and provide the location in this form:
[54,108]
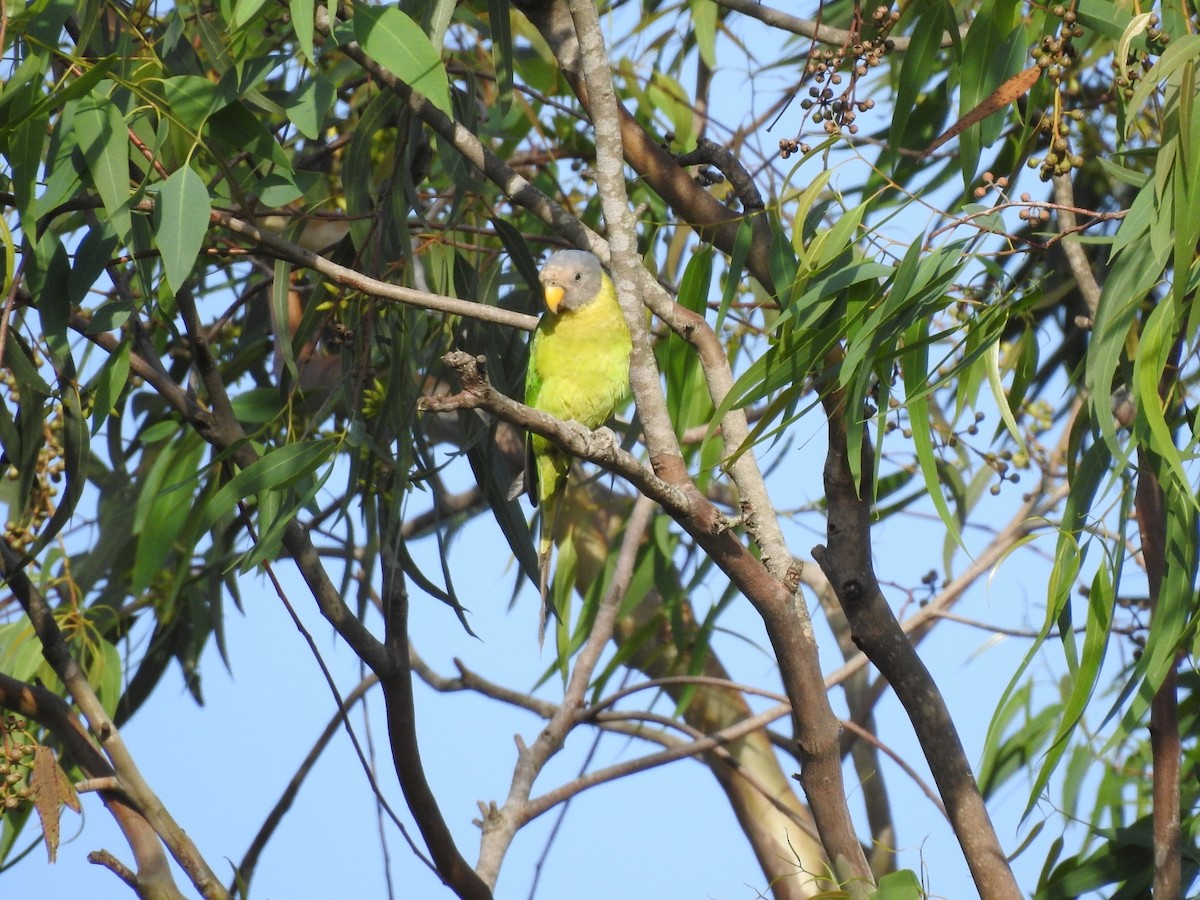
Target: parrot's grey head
[571,279]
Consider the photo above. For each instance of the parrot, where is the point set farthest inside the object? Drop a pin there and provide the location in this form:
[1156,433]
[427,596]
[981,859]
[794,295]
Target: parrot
[578,371]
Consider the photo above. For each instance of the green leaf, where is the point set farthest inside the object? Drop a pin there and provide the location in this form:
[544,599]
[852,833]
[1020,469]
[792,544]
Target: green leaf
[20,650]
[737,265]
[992,355]
[9,257]
[704,28]
[1134,273]
[919,65]
[182,214]
[244,132]
[164,508]
[25,148]
[281,467]
[518,251]
[108,385]
[245,11]
[993,50]
[901,885]
[666,96]
[803,207]
[1085,481]
[1182,50]
[105,672]
[1104,17]
[105,144]
[502,50]
[1101,600]
[48,280]
[191,99]
[92,256]
[279,189]
[309,103]
[915,369]
[688,402]
[1171,618]
[303,12]
[398,43]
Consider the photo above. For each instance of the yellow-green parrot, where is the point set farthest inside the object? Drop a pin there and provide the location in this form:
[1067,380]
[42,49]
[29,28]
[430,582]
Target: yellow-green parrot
[578,370]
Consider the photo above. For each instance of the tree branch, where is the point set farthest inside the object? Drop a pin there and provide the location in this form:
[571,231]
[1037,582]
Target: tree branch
[714,221]
[133,784]
[396,681]
[153,880]
[816,726]
[848,564]
[246,868]
[825,34]
[1081,268]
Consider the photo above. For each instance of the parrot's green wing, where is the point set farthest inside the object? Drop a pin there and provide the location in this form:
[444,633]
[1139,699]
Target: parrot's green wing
[533,388]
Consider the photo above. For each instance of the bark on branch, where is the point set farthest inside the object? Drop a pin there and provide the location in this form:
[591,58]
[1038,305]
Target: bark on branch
[816,726]
[847,564]
[132,784]
[152,880]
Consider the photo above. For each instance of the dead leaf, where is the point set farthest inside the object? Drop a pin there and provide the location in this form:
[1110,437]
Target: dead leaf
[51,791]
[1003,96]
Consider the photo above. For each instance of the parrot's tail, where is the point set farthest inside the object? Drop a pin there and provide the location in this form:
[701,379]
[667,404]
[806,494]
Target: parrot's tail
[544,549]
[551,507]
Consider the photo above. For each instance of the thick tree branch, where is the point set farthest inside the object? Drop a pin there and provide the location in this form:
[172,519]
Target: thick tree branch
[1165,745]
[1150,507]
[396,682]
[1081,267]
[847,562]
[624,260]
[856,688]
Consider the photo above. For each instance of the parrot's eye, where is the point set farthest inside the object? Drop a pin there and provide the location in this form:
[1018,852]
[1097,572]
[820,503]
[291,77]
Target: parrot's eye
[579,276]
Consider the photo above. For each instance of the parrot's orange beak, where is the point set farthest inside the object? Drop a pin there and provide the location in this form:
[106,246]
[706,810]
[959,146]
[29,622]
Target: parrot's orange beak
[554,295]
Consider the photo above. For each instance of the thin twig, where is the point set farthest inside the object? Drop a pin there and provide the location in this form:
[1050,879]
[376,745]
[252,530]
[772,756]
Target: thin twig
[246,868]
[809,28]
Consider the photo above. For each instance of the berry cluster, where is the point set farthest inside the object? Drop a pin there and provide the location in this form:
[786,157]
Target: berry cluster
[49,471]
[1055,56]
[16,762]
[830,104]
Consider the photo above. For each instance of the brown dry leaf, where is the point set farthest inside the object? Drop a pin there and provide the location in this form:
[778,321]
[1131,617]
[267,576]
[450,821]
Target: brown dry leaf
[1003,96]
[51,791]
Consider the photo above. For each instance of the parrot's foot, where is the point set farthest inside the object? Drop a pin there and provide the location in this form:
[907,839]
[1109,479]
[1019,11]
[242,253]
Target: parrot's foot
[603,438]
[727,523]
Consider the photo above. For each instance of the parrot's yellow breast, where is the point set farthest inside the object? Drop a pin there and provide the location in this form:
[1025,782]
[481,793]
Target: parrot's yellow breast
[582,361]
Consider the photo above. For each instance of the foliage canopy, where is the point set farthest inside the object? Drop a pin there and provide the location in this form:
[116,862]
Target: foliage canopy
[268,274]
